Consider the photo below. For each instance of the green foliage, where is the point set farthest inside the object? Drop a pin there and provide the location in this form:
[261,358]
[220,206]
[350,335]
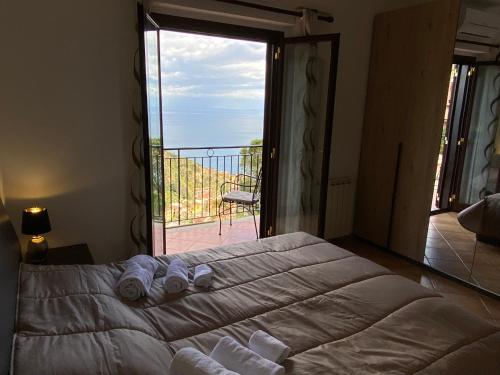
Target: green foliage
[251,161]
[193,187]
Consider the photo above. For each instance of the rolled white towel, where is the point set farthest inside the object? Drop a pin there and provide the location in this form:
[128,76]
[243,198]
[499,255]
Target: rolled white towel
[135,282]
[177,276]
[235,357]
[203,274]
[149,263]
[268,346]
[189,361]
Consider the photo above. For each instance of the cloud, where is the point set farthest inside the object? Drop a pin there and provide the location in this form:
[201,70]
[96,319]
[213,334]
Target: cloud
[204,66]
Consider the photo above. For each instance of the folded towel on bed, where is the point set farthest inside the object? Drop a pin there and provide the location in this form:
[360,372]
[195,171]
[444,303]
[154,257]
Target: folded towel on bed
[177,276]
[149,263]
[268,346]
[189,361]
[135,282]
[203,274]
[235,357]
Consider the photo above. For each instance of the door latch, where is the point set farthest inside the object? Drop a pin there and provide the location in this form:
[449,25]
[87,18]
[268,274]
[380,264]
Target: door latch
[277,53]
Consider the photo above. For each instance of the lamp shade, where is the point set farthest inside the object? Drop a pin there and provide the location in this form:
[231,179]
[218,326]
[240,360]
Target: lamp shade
[35,221]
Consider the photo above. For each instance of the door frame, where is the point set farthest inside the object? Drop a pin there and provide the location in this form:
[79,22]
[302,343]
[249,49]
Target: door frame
[458,128]
[142,18]
[273,39]
[457,205]
[464,128]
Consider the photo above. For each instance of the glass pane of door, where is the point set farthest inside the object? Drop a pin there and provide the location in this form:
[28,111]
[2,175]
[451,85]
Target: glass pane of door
[155,131]
[305,134]
[480,173]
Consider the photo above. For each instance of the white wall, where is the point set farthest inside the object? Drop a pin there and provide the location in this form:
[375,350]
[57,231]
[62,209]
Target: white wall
[65,102]
[65,117]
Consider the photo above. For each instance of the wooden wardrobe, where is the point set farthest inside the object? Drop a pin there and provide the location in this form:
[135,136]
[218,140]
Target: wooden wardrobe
[411,59]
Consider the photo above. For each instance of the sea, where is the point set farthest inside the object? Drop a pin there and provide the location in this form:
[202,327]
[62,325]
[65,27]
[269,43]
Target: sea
[211,128]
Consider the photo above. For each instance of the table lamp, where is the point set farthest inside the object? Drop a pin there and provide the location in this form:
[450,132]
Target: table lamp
[35,223]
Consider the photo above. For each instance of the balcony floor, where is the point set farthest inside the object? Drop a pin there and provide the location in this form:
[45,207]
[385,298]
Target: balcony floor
[203,236]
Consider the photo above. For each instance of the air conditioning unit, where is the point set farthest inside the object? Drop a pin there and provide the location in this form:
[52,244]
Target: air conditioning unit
[479,26]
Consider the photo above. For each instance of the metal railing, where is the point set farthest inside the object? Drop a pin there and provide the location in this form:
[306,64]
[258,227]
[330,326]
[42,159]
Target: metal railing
[192,180]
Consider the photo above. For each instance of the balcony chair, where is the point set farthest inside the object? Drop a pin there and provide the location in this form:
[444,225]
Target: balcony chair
[244,199]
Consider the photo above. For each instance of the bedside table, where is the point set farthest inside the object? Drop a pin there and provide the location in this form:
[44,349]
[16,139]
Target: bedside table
[73,254]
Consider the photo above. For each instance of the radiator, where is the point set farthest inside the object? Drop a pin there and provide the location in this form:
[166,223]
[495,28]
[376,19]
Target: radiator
[340,209]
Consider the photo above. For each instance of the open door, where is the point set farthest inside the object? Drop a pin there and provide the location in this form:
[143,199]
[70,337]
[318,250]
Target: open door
[452,141]
[188,180]
[153,133]
[479,166]
[309,71]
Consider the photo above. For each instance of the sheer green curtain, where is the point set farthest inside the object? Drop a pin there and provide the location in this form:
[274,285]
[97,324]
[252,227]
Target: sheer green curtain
[304,107]
[479,174]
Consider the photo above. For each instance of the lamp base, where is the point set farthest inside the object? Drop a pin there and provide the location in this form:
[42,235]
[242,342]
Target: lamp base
[36,252]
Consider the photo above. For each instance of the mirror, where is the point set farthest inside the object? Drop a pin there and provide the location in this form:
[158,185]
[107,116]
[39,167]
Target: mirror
[463,239]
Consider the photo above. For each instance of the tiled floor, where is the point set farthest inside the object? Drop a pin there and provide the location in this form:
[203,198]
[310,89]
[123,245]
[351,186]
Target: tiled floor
[482,305]
[454,250]
[436,182]
[203,236]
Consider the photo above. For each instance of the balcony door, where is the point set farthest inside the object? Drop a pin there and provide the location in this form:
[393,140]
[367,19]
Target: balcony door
[296,92]
[479,169]
[210,114]
[153,133]
[309,70]
[468,163]
[453,135]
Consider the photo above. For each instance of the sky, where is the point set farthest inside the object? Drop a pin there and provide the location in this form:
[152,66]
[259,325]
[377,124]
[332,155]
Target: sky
[212,88]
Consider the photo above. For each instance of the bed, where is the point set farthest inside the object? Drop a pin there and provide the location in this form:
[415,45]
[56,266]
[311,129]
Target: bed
[341,314]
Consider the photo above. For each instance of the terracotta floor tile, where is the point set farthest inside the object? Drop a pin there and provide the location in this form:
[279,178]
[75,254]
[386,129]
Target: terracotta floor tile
[483,259]
[198,245]
[417,275]
[488,259]
[466,255]
[438,253]
[452,267]
[487,248]
[458,236]
[487,270]
[433,233]
[448,227]
[462,245]
[437,243]
[471,303]
[491,284]
[179,244]
[444,285]
[206,235]
[442,219]
[426,281]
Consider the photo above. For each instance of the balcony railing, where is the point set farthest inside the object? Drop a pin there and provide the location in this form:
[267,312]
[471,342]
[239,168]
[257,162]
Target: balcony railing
[193,177]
